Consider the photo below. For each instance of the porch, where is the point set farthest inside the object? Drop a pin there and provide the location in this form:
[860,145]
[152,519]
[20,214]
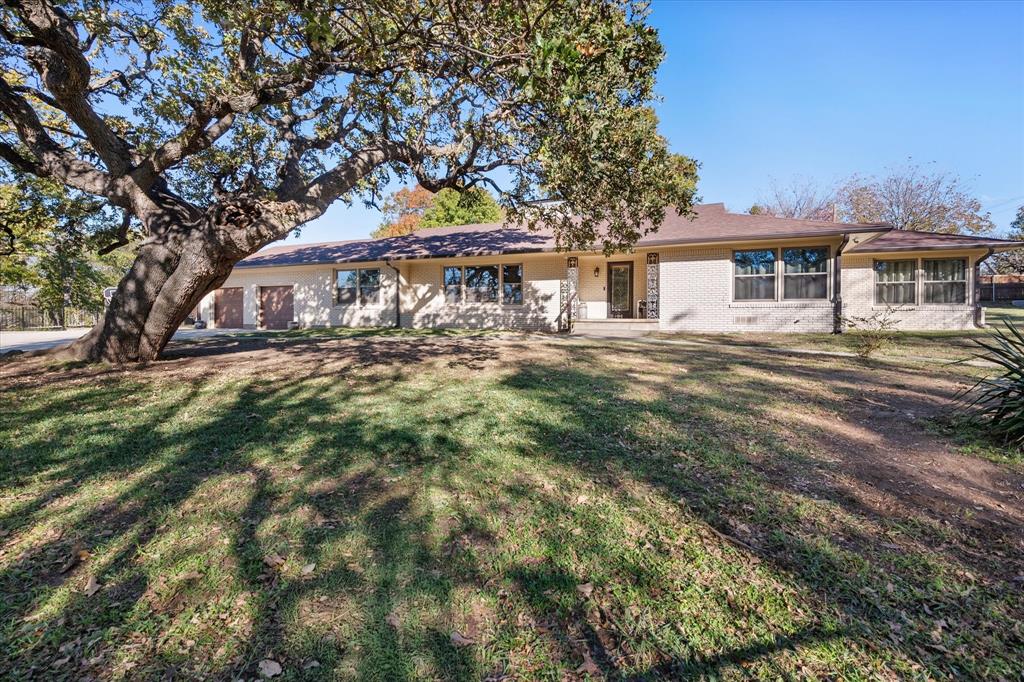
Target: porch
[615,327]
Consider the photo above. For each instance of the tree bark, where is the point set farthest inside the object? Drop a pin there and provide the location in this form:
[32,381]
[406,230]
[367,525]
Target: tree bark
[168,278]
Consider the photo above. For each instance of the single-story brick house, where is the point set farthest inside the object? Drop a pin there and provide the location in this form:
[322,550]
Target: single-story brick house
[719,272]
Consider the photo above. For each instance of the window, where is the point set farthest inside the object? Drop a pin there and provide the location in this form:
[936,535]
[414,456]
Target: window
[895,282]
[452,285]
[755,275]
[945,281]
[805,273]
[482,283]
[369,287]
[357,285]
[346,286]
[512,284]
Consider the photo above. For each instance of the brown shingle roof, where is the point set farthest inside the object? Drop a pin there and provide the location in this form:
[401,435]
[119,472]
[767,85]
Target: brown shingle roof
[711,224]
[906,240]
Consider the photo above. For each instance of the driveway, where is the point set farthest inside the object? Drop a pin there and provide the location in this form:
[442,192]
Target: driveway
[41,340]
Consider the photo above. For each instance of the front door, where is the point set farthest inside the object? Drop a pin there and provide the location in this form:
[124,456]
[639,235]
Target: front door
[620,290]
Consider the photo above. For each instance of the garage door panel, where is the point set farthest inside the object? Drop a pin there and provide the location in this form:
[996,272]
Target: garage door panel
[277,306]
[227,308]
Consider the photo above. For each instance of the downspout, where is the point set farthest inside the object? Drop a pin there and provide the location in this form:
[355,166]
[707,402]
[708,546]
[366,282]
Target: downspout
[979,312]
[398,294]
[837,309]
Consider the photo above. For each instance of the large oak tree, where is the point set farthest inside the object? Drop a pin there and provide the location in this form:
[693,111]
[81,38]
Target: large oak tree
[217,127]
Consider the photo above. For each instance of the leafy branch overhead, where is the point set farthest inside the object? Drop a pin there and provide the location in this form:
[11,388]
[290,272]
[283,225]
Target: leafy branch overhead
[215,103]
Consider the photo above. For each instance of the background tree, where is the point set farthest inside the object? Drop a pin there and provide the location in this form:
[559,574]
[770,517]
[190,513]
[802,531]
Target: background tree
[403,211]
[223,126]
[453,207]
[1011,262]
[911,198]
[801,198]
[51,237]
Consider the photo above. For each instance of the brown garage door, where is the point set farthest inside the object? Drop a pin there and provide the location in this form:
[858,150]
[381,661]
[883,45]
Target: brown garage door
[277,307]
[227,308]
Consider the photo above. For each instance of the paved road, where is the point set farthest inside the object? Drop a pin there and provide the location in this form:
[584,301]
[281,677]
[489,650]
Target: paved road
[42,340]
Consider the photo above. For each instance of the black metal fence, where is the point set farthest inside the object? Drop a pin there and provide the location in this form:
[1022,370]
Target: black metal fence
[21,318]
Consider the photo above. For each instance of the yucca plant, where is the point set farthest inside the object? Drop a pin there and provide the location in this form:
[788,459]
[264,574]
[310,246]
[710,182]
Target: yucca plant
[998,401]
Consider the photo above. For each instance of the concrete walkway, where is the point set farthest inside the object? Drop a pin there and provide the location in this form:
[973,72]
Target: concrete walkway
[42,340]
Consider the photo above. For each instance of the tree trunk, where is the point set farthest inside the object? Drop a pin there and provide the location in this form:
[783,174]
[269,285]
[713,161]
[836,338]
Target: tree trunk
[165,282]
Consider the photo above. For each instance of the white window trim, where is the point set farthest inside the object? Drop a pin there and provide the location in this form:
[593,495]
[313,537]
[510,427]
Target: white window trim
[357,303]
[919,301]
[780,281]
[501,285]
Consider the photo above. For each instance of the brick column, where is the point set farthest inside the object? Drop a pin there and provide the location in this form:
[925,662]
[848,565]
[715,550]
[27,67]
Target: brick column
[653,286]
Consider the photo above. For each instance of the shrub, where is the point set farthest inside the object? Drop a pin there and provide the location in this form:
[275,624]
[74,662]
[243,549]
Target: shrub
[997,402]
[873,333]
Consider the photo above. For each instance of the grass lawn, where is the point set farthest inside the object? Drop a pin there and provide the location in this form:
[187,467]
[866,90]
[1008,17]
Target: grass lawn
[393,506]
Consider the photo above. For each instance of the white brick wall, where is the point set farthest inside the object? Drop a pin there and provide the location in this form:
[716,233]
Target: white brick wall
[313,288]
[696,295]
[423,304]
[858,294]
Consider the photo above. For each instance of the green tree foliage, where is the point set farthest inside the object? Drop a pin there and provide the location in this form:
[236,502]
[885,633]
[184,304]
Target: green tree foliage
[466,207]
[50,241]
[224,126]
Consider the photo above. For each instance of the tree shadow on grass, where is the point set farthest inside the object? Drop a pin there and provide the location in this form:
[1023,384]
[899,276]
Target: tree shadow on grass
[215,492]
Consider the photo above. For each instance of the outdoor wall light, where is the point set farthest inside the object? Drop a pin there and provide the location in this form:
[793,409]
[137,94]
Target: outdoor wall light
[597,271]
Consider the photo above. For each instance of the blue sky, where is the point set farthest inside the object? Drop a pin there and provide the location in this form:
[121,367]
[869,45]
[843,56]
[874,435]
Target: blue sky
[820,91]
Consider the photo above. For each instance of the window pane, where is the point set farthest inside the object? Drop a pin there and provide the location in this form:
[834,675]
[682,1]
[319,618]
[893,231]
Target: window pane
[755,288]
[755,262]
[482,283]
[945,292]
[346,286]
[512,274]
[895,294]
[805,286]
[895,271]
[805,260]
[946,270]
[369,286]
[453,285]
[512,284]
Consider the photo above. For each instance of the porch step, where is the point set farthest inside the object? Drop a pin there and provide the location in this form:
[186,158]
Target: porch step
[614,327]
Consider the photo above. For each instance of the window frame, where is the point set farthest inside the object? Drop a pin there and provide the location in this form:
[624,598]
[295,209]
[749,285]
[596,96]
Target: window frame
[780,275]
[358,289]
[827,274]
[500,300]
[966,280]
[919,281]
[774,275]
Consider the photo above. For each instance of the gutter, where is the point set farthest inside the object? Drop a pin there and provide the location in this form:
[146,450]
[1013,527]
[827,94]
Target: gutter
[398,294]
[837,311]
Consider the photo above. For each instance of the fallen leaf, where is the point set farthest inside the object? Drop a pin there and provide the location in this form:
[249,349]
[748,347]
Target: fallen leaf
[311,664]
[581,499]
[586,589]
[269,668]
[296,467]
[274,560]
[78,555]
[393,620]
[458,639]
[91,587]
[308,569]
[588,666]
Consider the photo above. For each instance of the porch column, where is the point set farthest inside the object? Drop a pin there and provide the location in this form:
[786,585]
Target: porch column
[653,285]
[573,286]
